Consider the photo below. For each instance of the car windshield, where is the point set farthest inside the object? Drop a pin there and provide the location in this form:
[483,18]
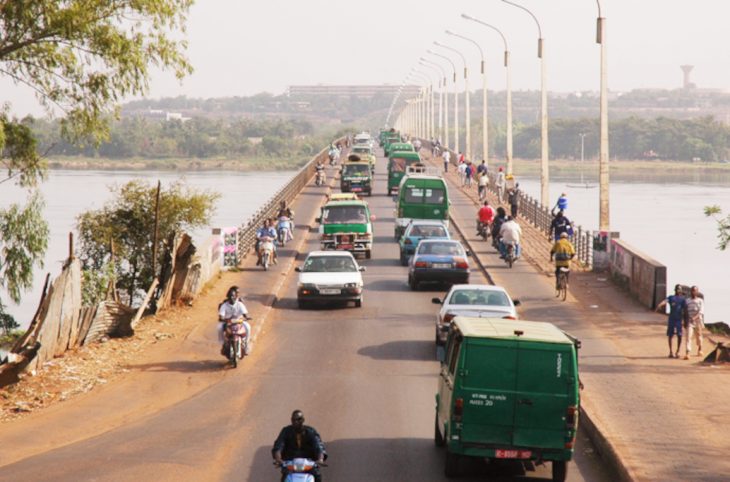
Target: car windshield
[445,249]
[361,150]
[428,231]
[329,264]
[479,297]
[424,195]
[344,215]
[398,164]
[356,170]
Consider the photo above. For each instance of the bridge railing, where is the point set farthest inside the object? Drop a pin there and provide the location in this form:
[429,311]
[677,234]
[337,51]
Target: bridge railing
[247,231]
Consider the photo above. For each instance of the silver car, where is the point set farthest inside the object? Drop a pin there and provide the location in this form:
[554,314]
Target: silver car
[484,301]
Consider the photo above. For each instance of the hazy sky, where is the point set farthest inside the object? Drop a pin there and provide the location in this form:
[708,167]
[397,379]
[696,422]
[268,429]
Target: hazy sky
[240,47]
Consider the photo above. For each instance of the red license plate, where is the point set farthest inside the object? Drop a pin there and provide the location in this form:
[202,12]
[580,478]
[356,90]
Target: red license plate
[356,189]
[513,454]
[346,246]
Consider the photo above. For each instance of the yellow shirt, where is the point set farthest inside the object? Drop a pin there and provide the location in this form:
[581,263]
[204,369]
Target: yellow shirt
[563,250]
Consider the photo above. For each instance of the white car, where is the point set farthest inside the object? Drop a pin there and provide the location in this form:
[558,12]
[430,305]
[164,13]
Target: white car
[483,301]
[328,276]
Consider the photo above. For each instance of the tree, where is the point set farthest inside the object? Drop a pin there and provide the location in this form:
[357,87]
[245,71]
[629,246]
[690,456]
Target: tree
[127,221]
[723,225]
[80,57]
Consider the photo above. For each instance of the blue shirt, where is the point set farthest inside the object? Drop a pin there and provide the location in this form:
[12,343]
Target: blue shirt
[269,232]
[677,305]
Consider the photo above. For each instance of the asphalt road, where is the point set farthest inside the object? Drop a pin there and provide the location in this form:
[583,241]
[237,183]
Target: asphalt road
[364,377]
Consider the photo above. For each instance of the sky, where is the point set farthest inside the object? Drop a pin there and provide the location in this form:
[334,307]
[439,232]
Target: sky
[241,48]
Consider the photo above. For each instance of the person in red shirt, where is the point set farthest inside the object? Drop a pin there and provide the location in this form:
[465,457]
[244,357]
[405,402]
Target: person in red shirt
[485,216]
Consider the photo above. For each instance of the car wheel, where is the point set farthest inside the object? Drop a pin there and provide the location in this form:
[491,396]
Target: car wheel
[451,469]
[560,470]
[403,259]
[368,254]
[301,304]
[437,437]
[358,303]
[413,284]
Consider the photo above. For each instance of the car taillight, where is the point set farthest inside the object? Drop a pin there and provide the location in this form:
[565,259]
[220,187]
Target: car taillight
[458,409]
[571,417]
[421,264]
[509,317]
[461,263]
[326,236]
[408,241]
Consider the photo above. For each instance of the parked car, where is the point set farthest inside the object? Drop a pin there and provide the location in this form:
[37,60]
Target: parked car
[415,232]
[438,261]
[479,301]
[509,390]
[329,276]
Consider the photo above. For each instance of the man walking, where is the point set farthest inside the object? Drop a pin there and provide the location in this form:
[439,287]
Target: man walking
[447,158]
[482,182]
[695,321]
[513,198]
[500,184]
[677,307]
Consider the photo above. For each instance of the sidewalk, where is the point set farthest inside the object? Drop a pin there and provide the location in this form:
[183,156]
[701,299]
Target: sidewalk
[666,419]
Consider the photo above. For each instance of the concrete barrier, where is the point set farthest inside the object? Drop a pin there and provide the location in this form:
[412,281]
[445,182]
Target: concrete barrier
[642,276]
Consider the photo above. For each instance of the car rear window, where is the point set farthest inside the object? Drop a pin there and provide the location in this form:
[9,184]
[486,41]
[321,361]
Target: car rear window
[479,297]
[445,249]
[428,231]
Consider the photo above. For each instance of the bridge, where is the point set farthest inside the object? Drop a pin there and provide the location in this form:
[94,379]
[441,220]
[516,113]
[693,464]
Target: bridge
[366,378]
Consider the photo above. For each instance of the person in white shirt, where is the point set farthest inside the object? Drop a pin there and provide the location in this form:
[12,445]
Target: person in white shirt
[510,232]
[230,310]
[483,182]
[462,172]
[447,159]
[500,183]
[695,321]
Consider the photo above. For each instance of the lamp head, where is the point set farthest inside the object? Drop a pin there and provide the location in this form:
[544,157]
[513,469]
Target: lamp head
[468,17]
[449,32]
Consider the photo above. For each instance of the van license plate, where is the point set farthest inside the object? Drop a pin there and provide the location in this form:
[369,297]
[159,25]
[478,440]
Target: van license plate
[442,265]
[513,454]
[330,291]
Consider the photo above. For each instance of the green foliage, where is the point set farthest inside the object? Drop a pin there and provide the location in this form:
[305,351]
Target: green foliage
[723,226]
[23,242]
[127,221]
[7,323]
[95,283]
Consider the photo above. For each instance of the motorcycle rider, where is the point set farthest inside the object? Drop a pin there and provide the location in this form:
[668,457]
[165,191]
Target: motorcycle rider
[299,440]
[499,219]
[510,232]
[563,251]
[321,173]
[265,231]
[232,308]
[485,215]
[559,225]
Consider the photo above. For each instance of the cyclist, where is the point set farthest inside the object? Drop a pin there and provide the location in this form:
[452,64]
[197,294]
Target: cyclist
[563,251]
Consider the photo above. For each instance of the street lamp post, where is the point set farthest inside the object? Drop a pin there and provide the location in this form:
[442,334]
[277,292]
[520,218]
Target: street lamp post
[603,173]
[439,70]
[485,125]
[467,151]
[424,104]
[508,69]
[544,174]
[446,102]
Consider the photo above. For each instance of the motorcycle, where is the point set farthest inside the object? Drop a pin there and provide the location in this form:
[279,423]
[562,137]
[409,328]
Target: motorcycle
[510,253]
[266,247]
[320,178]
[297,470]
[483,230]
[236,340]
[284,230]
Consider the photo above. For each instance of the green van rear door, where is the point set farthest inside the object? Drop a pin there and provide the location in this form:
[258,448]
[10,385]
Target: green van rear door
[546,387]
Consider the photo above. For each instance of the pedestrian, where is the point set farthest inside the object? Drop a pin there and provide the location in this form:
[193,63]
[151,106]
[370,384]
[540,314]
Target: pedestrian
[677,307]
[561,204]
[447,158]
[559,225]
[483,181]
[462,172]
[695,321]
[500,183]
[482,169]
[461,157]
[468,172]
[513,198]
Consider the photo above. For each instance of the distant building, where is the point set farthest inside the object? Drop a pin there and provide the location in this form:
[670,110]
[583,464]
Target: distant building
[360,91]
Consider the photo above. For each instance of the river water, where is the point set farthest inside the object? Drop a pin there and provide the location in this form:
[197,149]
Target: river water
[662,216]
[67,193]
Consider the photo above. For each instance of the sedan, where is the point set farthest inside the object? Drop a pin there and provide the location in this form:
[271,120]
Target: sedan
[481,301]
[415,232]
[438,261]
[328,276]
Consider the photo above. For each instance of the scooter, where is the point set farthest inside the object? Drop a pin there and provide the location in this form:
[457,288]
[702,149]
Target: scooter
[320,178]
[510,253]
[236,336]
[267,252]
[298,470]
[483,230]
[283,230]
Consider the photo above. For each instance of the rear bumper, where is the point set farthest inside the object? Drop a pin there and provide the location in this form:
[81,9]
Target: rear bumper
[355,247]
[441,275]
[490,452]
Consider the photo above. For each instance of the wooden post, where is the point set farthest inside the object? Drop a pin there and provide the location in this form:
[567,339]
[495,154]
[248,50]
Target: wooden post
[156,233]
[70,246]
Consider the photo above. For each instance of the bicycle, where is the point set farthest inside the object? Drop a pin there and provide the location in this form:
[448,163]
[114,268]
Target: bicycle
[561,283]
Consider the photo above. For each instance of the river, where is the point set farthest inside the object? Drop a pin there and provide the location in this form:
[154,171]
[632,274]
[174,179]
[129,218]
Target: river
[68,193]
[661,215]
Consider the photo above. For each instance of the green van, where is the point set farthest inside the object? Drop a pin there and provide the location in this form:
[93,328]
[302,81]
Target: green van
[347,225]
[508,389]
[400,147]
[356,176]
[421,196]
[389,139]
[398,164]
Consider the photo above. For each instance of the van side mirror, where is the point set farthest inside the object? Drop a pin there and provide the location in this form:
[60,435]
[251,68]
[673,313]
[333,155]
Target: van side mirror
[318,219]
[517,302]
[298,269]
[436,301]
[361,268]
[468,252]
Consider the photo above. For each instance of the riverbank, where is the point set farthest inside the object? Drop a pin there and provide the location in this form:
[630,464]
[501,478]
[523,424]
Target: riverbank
[176,164]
